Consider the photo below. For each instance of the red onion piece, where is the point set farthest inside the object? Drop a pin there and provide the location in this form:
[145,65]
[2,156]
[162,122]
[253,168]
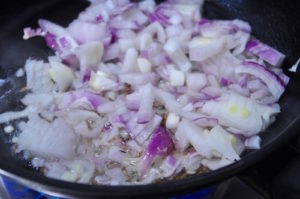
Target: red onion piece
[265,52]
[274,83]
[161,144]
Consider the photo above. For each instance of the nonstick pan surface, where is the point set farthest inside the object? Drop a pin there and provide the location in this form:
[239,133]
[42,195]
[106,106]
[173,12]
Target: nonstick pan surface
[274,22]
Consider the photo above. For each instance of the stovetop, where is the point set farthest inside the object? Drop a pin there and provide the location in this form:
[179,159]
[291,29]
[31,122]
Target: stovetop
[276,177]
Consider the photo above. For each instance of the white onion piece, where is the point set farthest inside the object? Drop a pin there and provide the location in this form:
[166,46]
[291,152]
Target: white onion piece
[115,154]
[274,83]
[112,52]
[19,73]
[37,76]
[239,112]
[138,78]
[189,10]
[168,100]
[177,78]
[84,170]
[125,44]
[215,164]
[172,121]
[182,140]
[84,32]
[147,5]
[116,176]
[171,166]
[156,28]
[177,55]
[8,116]
[52,27]
[101,82]
[125,34]
[90,53]
[133,101]
[136,15]
[144,40]
[62,75]
[239,42]
[130,61]
[57,140]
[196,81]
[210,144]
[41,101]
[149,129]
[174,30]
[253,142]
[145,109]
[191,162]
[144,65]
[202,48]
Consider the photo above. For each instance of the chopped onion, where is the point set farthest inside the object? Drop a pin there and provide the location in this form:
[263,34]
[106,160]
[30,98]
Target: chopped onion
[138,92]
[160,145]
[176,54]
[62,75]
[145,108]
[201,48]
[265,52]
[90,53]
[253,142]
[274,83]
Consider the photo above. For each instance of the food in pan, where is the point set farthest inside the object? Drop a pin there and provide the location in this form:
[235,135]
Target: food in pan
[138,92]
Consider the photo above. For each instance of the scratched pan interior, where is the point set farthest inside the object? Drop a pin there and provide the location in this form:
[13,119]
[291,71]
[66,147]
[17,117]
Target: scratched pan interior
[274,22]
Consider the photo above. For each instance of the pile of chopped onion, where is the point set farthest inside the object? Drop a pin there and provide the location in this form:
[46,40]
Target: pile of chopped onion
[138,92]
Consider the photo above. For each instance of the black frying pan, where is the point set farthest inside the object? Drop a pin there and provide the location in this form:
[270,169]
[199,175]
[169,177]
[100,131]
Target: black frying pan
[275,22]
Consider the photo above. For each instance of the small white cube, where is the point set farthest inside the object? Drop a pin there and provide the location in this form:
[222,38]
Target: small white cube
[8,129]
[144,65]
[144,40]
[196,81]
[96,80]
[20,72]
[172,121]
[177,78]
[100,81]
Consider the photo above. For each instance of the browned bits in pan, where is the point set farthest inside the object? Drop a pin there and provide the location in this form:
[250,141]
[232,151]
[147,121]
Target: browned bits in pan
[127,88]
[112,164]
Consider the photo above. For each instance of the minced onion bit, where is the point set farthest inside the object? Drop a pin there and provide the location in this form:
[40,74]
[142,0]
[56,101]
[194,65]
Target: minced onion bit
[138,92]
